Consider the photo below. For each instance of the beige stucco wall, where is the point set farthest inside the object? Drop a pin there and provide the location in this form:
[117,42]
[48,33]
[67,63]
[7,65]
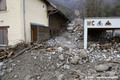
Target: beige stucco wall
[13,18]
[35,13]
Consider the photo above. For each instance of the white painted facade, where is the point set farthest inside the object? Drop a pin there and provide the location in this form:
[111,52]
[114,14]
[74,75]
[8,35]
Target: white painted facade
[14,18]
[36,12]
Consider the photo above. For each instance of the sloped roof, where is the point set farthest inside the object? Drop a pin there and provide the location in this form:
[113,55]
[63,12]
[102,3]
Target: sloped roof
[49,2]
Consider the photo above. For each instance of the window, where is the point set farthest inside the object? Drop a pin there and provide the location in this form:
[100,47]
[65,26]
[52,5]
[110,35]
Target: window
[3,6]
[44,7]
[3,36]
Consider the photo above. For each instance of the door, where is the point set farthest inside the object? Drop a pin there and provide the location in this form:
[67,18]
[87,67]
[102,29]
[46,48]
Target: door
[33,33]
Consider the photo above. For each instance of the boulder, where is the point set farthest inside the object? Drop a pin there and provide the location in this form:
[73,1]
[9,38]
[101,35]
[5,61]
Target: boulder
[61,57]
[60,49]
[111,73]
[66,67]
[28,77]
[75,60]
[1,64]
[102,67]
[83,54]
[60,77]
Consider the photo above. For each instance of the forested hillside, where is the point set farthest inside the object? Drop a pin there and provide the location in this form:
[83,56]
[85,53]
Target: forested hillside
[68,7]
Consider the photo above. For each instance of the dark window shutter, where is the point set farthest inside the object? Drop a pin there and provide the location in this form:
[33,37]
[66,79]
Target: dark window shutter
[3,6]
[3,36]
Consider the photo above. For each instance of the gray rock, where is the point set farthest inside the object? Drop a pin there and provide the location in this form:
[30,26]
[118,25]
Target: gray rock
[80,62]
[4,67]
[10,61]
[118,48]
[35,57]
[111,73]
[15,76]
[18,61]
[60,77]
[61,57]
[66,67]
[57,73]
[110,64]
[105,51]
[13,64]
[52,67]
[45,78]
[28,77]
[75,60]
[1,64]
[2,73]
[102,67]
[83,54]
[38,77]
[60,49]
[33,78]
[10,70]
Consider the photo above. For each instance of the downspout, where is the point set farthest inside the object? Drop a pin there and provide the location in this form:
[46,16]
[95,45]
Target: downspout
[24,20]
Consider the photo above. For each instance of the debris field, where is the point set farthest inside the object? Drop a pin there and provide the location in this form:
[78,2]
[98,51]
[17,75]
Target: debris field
[63,58]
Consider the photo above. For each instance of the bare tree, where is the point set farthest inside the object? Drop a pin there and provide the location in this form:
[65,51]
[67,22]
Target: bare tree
[94,8]
[116,8]
[107,10]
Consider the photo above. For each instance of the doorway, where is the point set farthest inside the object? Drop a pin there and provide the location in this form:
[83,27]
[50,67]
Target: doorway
[33,33]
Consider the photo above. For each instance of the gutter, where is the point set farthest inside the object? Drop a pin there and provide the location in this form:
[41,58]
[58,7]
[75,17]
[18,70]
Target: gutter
[24,20]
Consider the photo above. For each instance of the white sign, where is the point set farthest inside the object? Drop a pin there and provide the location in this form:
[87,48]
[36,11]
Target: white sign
[99,23]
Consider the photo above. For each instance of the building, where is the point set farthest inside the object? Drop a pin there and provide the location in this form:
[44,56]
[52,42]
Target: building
[57,20]
[21,21]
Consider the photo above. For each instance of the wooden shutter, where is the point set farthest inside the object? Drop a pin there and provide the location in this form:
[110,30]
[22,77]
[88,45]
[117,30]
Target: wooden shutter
[3,36]
[3,6]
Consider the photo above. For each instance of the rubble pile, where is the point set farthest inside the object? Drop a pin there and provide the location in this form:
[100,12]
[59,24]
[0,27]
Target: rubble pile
[19,48]
[76,26]
[69,44]
[63,58]
[9,51]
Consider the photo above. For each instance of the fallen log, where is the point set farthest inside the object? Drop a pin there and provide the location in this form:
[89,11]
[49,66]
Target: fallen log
[22,51]
[18,49]
[3,57]
[10,54]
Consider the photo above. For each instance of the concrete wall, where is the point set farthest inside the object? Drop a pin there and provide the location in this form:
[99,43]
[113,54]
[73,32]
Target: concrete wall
[35,13]
[13,18]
